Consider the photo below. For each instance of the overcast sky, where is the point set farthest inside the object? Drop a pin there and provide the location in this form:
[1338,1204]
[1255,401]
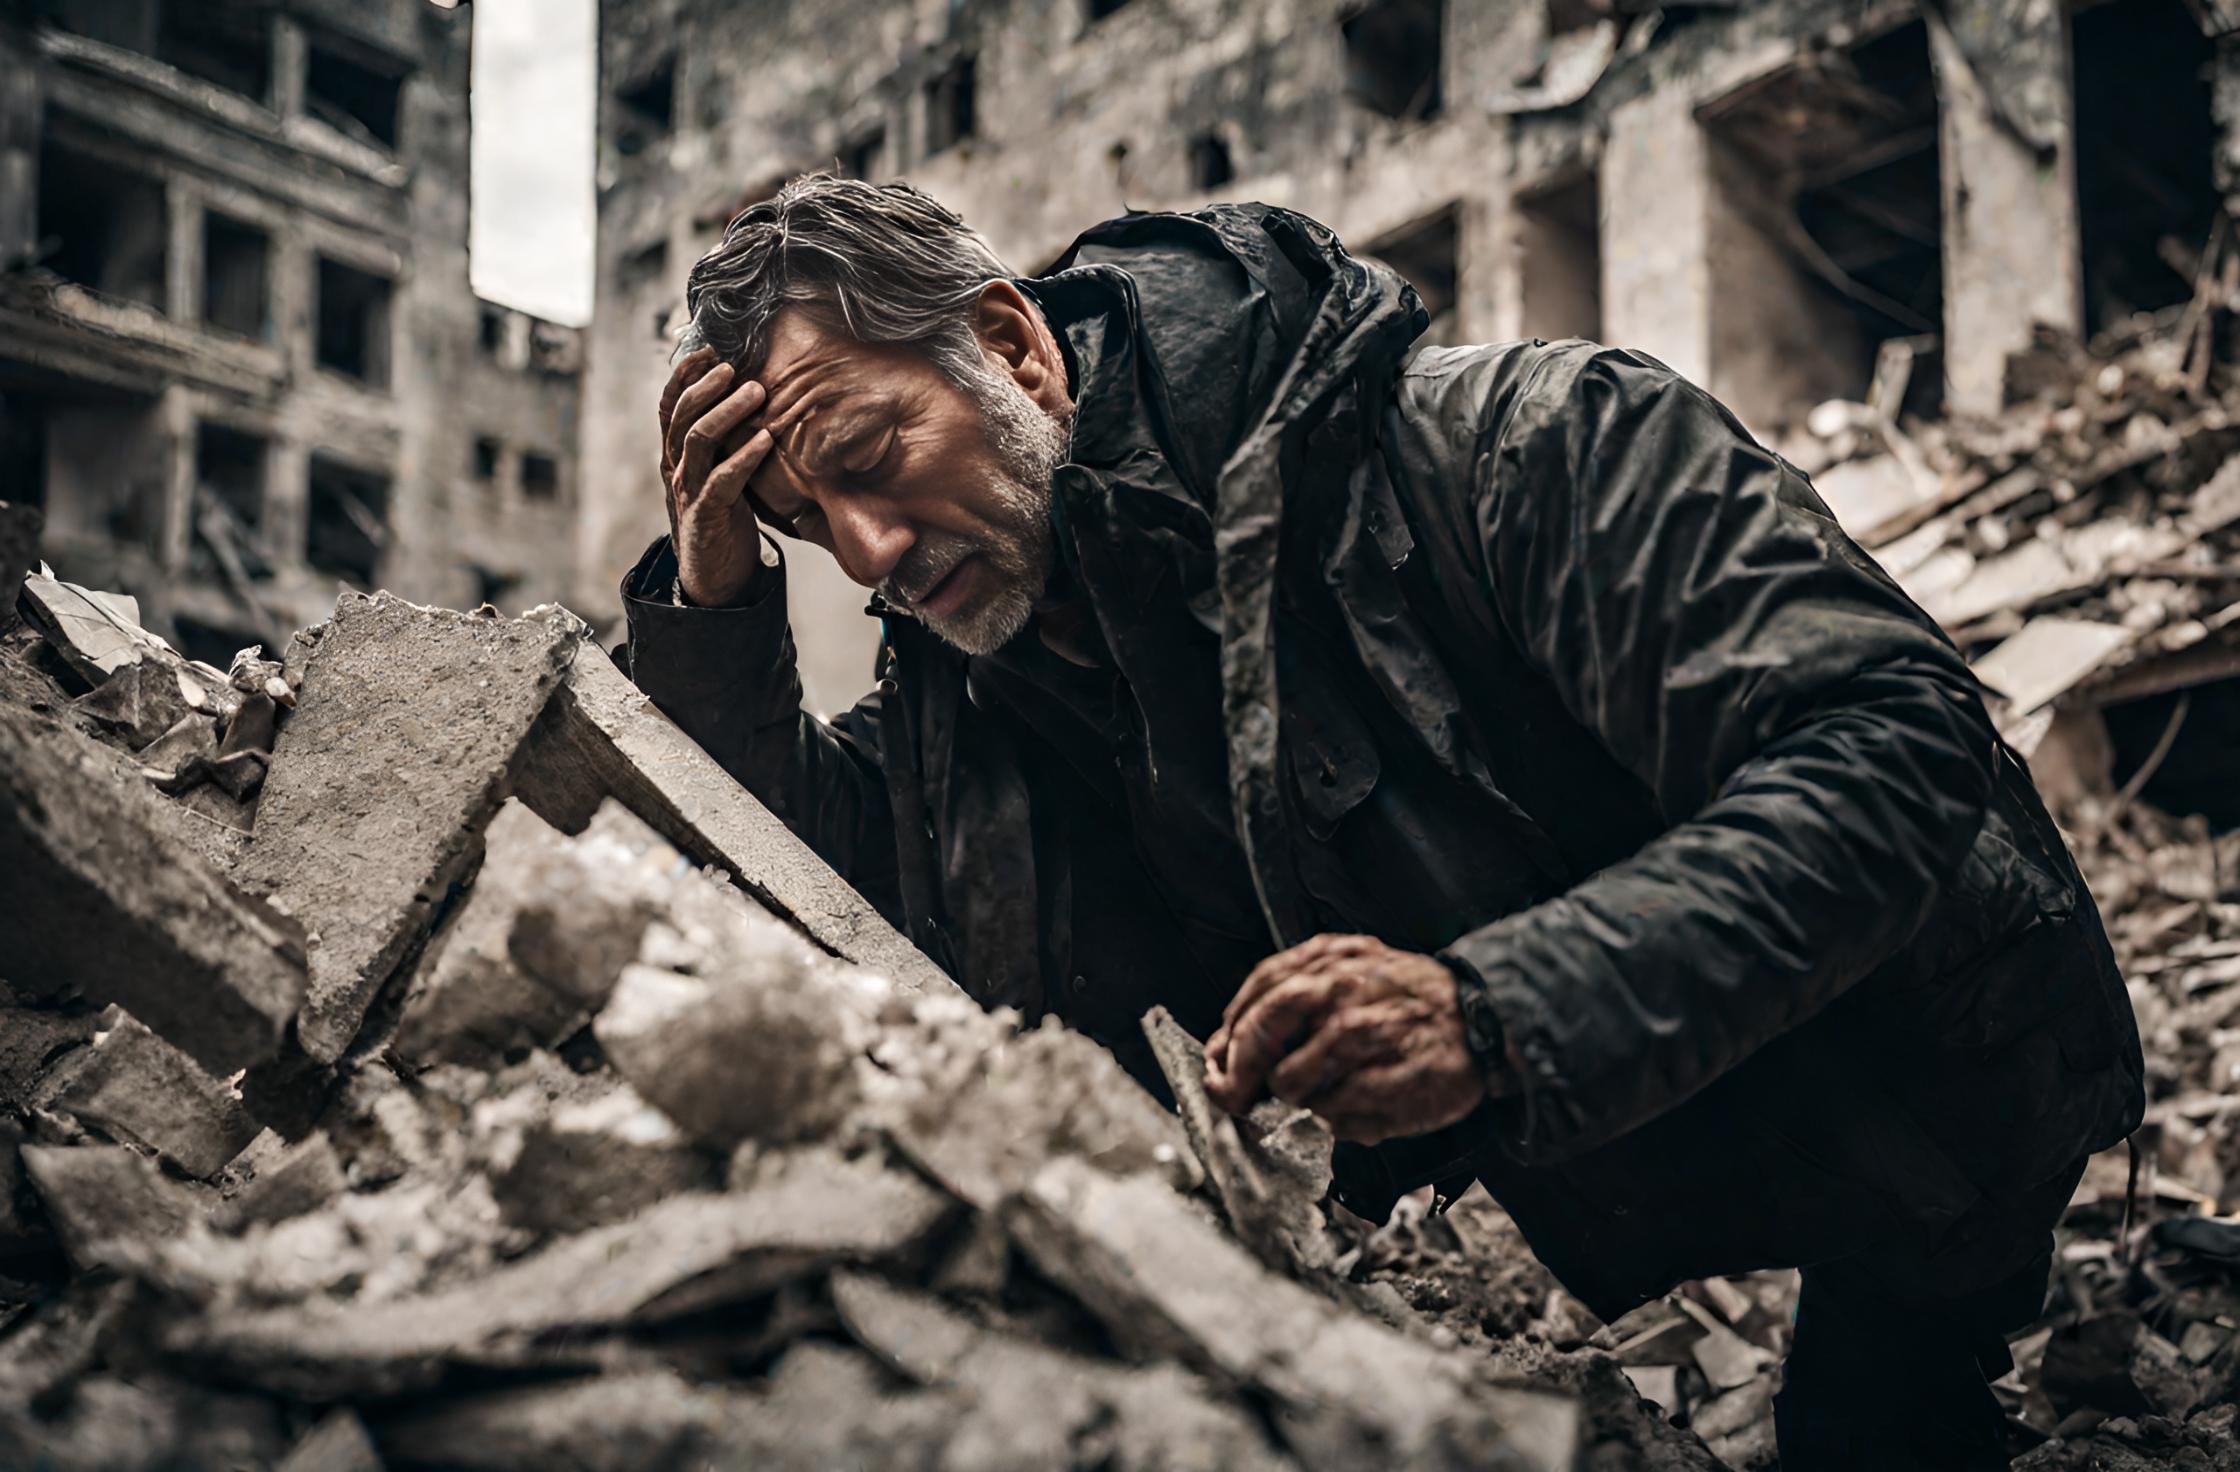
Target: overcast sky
[535,63]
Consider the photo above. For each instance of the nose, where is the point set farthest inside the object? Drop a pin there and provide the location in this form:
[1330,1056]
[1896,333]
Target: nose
[869,537]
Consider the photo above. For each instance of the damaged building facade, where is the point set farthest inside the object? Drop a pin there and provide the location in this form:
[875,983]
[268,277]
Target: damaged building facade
[1788,203]
[240,361]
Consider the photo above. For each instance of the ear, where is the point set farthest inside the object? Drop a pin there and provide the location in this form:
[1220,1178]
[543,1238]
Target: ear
[1018,342]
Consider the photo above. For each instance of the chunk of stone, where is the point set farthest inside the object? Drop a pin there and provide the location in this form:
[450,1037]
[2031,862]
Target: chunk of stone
[606,1423]
[104,899]
[598,1162]
[61,1339]
[100,1196]
[604,738]
[407,726]
[1348,1391]
[337,1444]
[763,1054]
[688,1254]
[135,1087]
[148,1423]
[1033,1406]
[296,1179]
[139,703]
[993,1106]
[35,1046]
[1270,1169]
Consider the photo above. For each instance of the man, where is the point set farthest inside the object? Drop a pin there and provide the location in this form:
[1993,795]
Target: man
[1491,748]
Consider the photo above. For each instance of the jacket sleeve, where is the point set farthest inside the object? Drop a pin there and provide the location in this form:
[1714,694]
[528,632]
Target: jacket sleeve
[728,678]
[1817,747]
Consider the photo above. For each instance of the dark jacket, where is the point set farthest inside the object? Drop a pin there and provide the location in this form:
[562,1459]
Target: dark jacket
[1529,656]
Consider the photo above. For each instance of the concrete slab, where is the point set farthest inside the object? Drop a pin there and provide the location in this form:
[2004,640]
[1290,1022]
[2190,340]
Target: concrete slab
[1163,1278]
[136,1088]
[688,1254]
[104,898]
[603,738]
[102,1194]
[403,742]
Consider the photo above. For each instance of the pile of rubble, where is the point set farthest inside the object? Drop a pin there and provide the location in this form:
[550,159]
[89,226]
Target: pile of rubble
[416,1053]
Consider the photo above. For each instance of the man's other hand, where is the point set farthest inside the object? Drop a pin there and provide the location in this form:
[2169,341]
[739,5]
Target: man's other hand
[1368,1037]
[710,447]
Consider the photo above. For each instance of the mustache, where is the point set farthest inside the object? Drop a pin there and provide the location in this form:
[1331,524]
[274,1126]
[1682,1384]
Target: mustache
[922,569]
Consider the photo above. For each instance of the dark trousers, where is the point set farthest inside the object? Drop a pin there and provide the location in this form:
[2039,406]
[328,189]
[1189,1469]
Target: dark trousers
[1880,1380]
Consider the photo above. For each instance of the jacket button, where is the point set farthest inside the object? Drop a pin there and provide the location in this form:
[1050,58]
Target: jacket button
[1080,985]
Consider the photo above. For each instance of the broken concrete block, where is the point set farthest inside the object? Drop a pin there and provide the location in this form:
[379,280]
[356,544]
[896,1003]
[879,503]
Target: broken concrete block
[987,1119]
[136,1088]
[608,1423]
[543,933]
[594,1163]
[762,1055]
[1270,1169]
[35,1046]
[337,1444]
[99,1195]
[1033,1406]
[603,738]
[149,1423]
[400,749]
[102,899]
[61,1339]
[298,1178]
[1163,1278]
[687,1254]
[139,703]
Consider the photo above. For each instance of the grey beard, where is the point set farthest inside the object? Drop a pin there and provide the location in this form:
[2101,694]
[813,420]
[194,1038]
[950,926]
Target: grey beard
[1020,546]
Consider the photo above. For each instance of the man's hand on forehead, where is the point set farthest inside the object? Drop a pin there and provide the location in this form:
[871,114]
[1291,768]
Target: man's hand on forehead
[712,443]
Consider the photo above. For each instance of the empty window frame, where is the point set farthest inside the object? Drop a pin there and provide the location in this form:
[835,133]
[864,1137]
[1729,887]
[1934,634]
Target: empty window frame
[1559,258]
[2146,145]
[952,105]
[1426,254]
[353,93]
[236,277]
[864,156]
[646,109]
[646,266]
[1210,163]
[348,521]
[493,332]
[1826,227]
[354,323]
[1393,56]
[540,477]
[103,227]
[487,453]
[227,42]
[229,465]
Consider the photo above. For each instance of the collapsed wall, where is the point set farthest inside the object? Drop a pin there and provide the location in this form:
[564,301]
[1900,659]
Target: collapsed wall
[417,1053]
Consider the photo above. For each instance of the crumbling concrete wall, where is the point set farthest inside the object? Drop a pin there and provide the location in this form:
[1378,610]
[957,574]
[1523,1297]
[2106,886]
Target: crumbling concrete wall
[311,301]
[1079,115]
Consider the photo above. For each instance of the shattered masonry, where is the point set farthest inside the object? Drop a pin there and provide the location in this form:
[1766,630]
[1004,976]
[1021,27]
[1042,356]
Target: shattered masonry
[240,361]
[421,1131]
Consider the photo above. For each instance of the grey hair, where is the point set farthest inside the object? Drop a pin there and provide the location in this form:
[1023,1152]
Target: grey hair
[880,263]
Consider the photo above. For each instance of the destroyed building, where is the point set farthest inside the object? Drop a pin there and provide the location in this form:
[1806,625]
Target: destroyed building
[1767,196]
[240,362]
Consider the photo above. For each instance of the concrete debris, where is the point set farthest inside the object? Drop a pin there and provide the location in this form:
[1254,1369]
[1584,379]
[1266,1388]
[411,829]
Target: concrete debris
[337,1444]
[103,899]
[603,738]
[408,723]
[138,1089]
[102,1196]
[292,1181]
[96,633]
[574,1152]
